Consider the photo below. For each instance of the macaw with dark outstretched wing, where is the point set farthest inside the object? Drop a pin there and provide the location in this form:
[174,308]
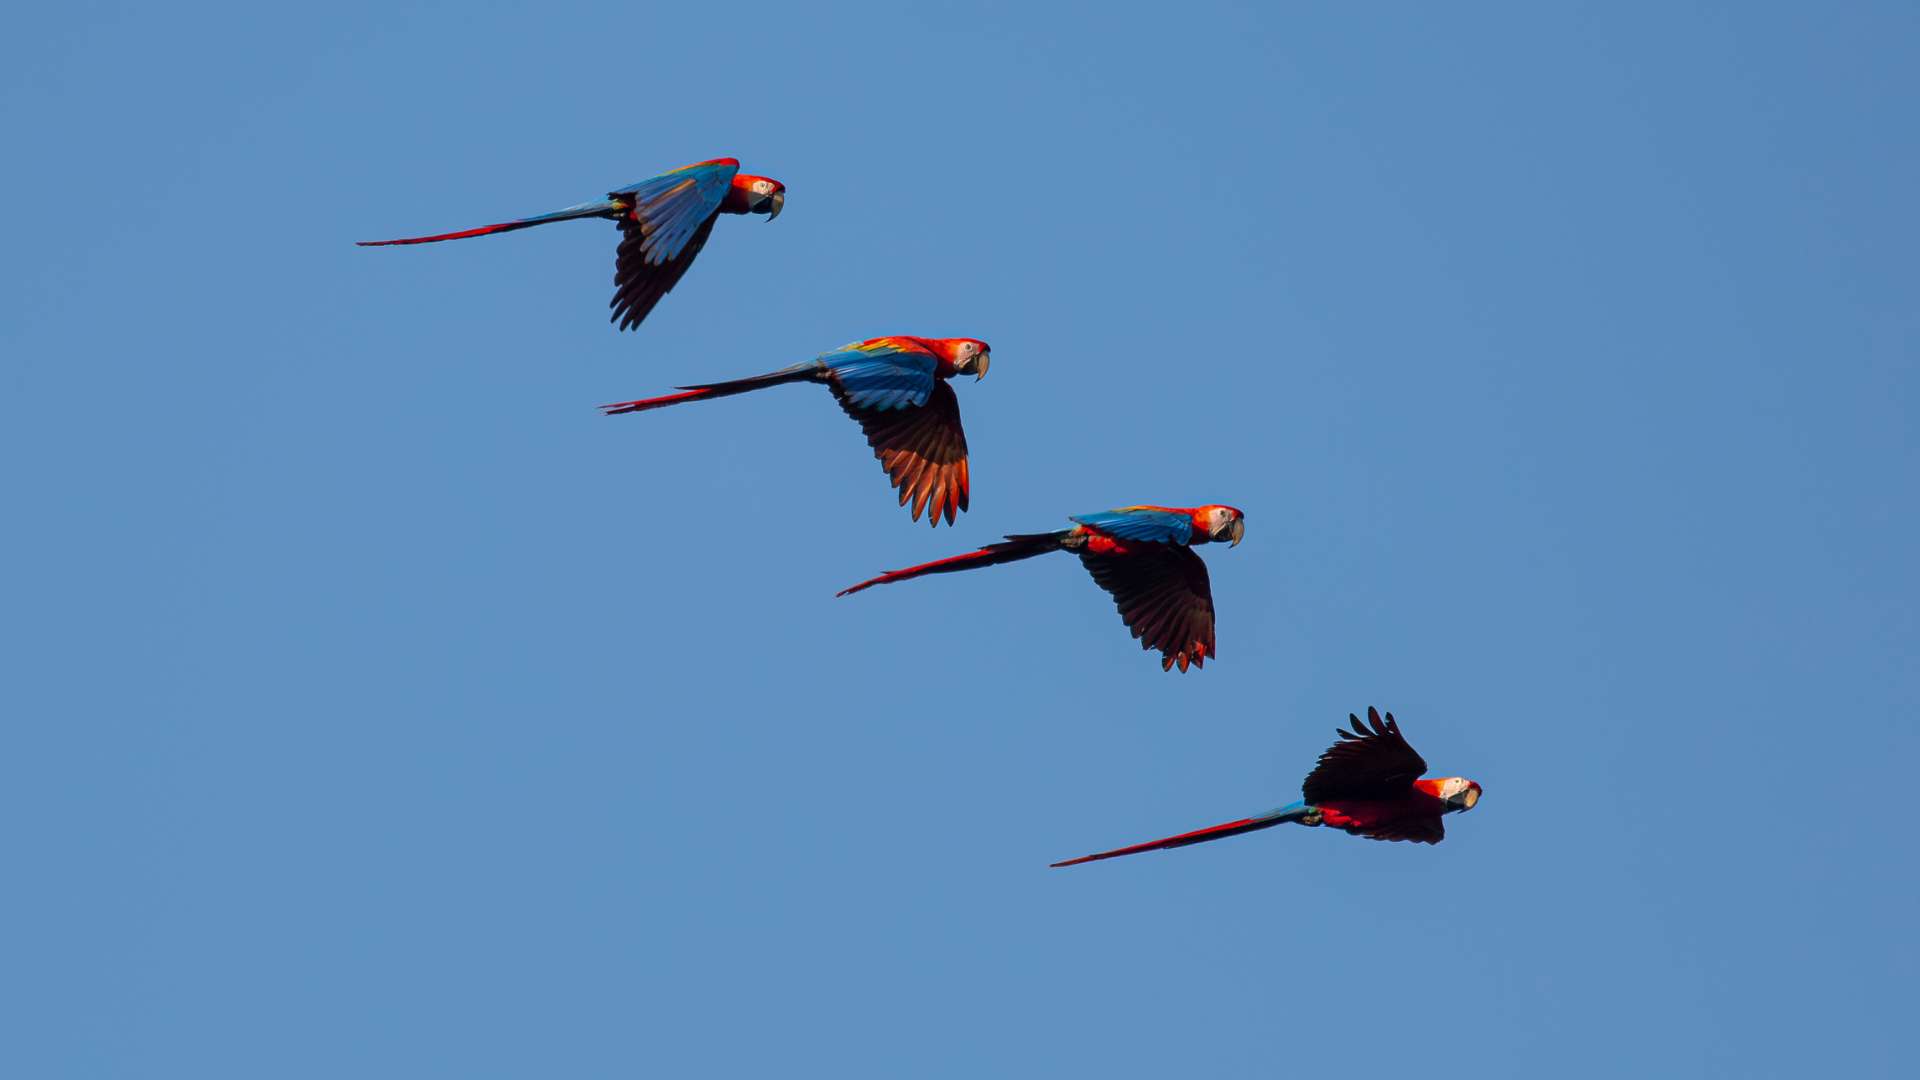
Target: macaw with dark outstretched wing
[1368,784]
[1142,555]
[896,389]
[664,222]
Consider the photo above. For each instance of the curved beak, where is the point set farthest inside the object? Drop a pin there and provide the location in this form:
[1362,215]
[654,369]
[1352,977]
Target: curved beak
[1465,800]
[1237,532]
[980,364]
[777,202]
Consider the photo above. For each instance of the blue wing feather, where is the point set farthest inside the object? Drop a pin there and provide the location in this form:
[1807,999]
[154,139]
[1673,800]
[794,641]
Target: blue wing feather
[884,378]
[1154,526]
[675,204]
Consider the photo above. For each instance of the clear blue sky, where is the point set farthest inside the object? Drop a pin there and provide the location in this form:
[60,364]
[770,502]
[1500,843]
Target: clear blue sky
[378,709]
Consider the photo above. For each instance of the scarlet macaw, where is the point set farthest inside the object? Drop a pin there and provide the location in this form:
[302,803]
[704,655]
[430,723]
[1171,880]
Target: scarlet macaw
[1142,556]
[896,389]
[664,222]
[1368,784]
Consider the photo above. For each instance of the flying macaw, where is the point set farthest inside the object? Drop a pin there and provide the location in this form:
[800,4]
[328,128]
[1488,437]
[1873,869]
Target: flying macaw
[664,222]
[1142,556]
[896,389]
[1368,783]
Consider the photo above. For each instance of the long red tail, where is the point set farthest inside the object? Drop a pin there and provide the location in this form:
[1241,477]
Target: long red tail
[603,208]
[1013,549]
[796,373]
[644,404]
[1295,812]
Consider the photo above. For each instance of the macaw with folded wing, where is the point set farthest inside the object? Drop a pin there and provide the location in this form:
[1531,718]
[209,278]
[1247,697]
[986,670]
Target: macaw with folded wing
[664,222]
[896,389]
[1368,784]
[1141,555]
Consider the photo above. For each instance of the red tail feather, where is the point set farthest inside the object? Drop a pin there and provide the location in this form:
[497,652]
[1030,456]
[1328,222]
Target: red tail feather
[1013,549]
[1200,836]
[797,373]
[654,403]
[612,206]
[461,235]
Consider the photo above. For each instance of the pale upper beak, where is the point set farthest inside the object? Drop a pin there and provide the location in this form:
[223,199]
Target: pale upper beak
[980,366]
[1465,800]
[777,200]
[1237,531]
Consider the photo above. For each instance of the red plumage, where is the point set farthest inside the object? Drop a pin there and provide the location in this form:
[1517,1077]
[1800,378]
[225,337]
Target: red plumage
[1159,585]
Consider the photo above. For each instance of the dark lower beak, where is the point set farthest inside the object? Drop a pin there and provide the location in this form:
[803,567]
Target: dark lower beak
[774,204]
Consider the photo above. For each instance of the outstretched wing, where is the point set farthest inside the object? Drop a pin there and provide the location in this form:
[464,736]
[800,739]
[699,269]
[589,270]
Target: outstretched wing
[1140,523]
[671,217]
[668,209]
[1164,597]
[1201,836]
[1373,761]
[923,450]
[883,374]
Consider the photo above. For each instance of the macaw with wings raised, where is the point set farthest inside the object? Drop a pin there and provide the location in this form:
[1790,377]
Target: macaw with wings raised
[1367,784]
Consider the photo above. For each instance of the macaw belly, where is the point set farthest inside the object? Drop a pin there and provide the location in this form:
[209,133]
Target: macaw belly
[1363,814]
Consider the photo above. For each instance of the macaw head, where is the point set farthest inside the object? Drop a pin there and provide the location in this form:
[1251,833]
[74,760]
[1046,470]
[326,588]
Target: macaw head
[761,194]
[1459,793]
[1223,523]
[969,356]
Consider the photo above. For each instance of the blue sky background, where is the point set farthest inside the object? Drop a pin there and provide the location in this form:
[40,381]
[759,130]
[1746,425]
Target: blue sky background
[378,709]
